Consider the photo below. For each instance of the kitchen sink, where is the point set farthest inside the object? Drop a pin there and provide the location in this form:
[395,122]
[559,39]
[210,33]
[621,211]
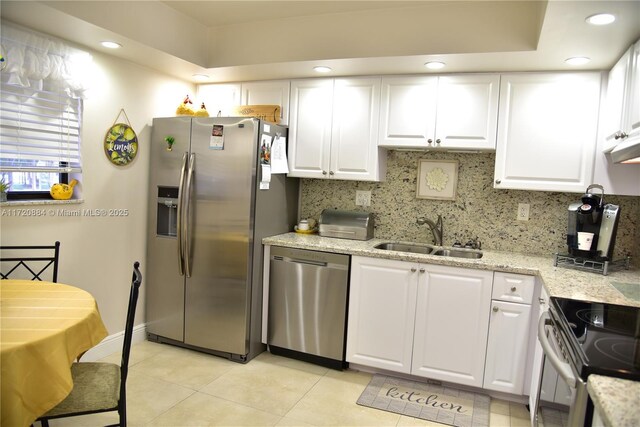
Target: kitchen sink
[418,248]
[406,247]
[459,253]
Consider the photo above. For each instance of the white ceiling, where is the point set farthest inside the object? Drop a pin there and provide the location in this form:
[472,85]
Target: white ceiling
[258,40]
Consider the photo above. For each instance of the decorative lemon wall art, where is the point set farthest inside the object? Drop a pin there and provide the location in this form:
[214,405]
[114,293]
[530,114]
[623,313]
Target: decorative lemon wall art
[121,143]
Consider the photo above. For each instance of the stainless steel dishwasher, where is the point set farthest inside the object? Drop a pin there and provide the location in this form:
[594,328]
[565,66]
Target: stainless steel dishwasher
[308,305]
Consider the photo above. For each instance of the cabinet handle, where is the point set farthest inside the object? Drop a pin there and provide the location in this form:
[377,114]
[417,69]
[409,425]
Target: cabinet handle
[495,309]
[324,172]
[422,270]
[413,269]
[513,289]
[430,141]
[620,135]
[331,173]
[498,181]
[438,141]
[541,300]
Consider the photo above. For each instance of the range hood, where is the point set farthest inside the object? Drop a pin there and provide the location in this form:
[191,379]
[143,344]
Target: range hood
[628,151]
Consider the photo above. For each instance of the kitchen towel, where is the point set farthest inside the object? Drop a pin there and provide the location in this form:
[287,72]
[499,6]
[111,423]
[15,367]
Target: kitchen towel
[433,402]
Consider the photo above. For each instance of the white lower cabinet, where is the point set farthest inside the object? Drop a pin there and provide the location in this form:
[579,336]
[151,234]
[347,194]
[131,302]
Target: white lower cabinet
[509,326]
[382,306]
[507,347]
[452,314]
[426,320]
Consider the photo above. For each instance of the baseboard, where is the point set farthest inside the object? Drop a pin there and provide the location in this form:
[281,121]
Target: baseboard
[113,343]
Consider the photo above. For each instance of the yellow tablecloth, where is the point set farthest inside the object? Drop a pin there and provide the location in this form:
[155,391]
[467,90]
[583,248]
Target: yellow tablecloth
[43,328]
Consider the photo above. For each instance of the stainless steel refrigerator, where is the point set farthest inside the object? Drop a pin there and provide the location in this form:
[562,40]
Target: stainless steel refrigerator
[208,212]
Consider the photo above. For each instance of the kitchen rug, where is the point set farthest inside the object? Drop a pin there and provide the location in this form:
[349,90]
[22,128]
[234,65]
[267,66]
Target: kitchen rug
[446,405]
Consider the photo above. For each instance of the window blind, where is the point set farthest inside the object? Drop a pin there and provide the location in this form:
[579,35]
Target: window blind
[39,129]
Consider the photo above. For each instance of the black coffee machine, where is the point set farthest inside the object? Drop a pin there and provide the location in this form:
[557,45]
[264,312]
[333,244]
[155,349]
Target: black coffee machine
[591,232]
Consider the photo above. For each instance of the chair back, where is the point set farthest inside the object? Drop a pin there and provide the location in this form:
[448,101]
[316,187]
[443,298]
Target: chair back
[136,280]
[29,262]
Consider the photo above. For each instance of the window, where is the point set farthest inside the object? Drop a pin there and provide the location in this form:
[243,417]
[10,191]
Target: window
[39,138]
[41,89]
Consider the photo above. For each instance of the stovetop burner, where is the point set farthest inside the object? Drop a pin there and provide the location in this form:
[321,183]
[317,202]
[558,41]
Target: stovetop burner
[604,338]
[596,317]
[616,349]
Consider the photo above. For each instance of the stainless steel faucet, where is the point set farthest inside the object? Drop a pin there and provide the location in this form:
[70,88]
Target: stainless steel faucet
[436,228]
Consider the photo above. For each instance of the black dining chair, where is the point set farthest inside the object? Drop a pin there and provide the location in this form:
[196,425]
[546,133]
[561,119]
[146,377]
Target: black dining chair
[30,262]
[100,387]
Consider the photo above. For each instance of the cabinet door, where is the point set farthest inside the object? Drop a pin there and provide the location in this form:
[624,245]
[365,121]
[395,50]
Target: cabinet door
[633,93]
[275,92]
[452,318]
[408,111]
[547,131]
[310,128]
[507,347]
[354,147]
[614,110]
[219,98]
[382,306]
[467,115]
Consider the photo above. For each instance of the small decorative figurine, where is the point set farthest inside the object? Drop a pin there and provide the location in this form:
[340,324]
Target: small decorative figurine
[63,191]
[202,112]
[185,108]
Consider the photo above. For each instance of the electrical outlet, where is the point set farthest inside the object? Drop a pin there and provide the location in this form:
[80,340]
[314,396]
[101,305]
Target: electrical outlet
[363,198]
[523,211]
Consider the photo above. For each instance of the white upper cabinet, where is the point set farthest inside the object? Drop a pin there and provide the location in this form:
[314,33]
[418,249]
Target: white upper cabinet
[275,92]
[547,131]
[219,98]
[447,112]
[613,114]
[633,117]
[622,104]
[333,129]
[222,98]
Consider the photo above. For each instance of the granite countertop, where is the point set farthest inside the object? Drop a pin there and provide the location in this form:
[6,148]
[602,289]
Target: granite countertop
[616,400]
[558,281]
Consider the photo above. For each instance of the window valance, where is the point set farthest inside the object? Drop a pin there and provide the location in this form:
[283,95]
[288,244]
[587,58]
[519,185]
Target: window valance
[37,61]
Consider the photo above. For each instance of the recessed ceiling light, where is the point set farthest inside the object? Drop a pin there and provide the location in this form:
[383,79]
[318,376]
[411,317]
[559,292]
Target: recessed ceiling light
[601,19]
[434,65]
[201,77]
[577,60]
[110,45]
[322,69]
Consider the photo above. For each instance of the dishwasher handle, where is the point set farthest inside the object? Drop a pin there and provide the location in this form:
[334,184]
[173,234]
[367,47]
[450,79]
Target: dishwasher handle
[299,261]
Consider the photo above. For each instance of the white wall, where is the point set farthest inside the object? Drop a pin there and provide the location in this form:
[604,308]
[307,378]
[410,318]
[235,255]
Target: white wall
[97,253]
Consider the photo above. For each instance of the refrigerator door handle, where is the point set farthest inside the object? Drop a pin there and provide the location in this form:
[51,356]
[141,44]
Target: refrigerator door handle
[179,216]
[187,215]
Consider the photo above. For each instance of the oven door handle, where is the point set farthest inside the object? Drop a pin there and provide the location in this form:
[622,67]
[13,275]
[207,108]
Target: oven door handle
[563,368]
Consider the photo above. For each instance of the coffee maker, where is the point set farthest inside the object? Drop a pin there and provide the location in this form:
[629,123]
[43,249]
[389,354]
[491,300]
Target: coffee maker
[592,227]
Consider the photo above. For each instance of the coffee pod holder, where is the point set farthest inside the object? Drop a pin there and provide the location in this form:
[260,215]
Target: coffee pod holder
[601,267]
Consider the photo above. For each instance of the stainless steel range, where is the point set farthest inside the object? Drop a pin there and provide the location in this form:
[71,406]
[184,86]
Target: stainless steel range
[579,339]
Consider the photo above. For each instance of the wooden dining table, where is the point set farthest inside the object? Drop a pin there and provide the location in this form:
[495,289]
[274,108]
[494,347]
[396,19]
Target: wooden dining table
[44,327]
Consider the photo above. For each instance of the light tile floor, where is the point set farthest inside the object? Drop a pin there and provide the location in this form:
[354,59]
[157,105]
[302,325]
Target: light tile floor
[171,386]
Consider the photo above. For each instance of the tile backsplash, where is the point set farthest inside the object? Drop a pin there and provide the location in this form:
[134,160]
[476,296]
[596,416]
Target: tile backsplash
[478,210]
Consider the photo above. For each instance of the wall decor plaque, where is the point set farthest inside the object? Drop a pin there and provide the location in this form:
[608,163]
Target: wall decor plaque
[437,179]
[121,143]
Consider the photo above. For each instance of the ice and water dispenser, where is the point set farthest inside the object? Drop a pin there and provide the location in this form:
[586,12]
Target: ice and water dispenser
[167,211]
